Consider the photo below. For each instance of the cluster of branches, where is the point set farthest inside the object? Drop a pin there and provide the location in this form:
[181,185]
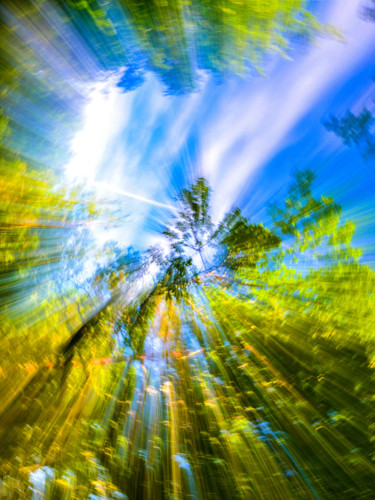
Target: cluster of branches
[201,252]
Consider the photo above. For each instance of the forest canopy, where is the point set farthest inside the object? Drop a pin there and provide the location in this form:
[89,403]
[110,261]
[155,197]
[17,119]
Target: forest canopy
[225,347]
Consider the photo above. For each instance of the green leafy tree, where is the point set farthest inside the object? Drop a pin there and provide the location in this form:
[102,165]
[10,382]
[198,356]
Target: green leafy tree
[255,382]
[177,39]
[232,244]
[355,130]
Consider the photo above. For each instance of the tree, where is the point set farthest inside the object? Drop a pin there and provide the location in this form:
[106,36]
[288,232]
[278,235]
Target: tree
[191,228]
[356,130]
[255,382]
[233,243]
[304,343]
[368,12]
[178,39]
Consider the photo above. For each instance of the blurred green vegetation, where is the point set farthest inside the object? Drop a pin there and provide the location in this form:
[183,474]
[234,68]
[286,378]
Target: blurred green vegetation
[239,361]
[237,378]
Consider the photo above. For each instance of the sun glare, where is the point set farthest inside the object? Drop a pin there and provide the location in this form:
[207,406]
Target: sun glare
[102,120]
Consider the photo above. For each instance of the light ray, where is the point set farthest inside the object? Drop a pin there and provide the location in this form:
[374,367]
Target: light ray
[122,192]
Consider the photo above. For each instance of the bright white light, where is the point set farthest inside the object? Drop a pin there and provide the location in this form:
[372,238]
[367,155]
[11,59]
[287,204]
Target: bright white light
[105,115]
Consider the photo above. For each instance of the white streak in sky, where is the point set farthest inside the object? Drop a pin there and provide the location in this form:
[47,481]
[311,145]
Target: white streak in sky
[112,189]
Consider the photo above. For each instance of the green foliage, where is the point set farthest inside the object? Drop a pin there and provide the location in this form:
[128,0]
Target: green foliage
[244,243]
[251,377]
[177,39]
[256,381]
[355,130]
[314,224]
[236,243]
[192,226]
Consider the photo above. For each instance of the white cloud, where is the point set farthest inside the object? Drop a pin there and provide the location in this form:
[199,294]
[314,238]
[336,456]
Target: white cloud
[106,114]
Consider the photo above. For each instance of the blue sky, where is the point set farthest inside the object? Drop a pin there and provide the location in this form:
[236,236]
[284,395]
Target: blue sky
[245,136]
